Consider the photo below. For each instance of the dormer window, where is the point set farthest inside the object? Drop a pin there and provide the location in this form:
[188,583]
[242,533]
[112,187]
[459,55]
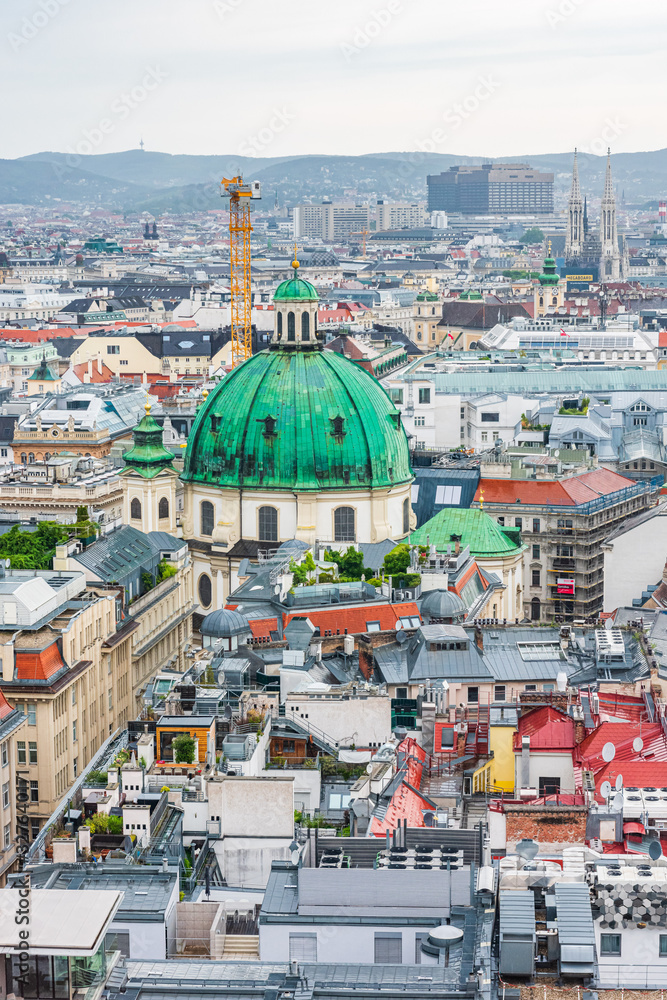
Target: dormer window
[269,426]
[337,424]
[216,420]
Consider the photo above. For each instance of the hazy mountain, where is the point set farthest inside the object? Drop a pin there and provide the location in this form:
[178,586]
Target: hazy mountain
[159,182]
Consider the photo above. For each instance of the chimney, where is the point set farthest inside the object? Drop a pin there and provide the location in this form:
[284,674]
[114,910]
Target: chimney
[99,363]
[479,639]
[525,761]
[90,369]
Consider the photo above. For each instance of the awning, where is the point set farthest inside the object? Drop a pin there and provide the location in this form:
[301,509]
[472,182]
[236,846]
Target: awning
[634,827]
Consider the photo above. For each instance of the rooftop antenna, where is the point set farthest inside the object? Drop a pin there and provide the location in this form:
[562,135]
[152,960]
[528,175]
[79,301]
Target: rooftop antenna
[142,144]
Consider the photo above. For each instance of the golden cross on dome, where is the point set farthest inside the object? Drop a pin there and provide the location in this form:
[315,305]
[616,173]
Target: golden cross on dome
[550,248]
[481,499]
[147,407]
[295,263]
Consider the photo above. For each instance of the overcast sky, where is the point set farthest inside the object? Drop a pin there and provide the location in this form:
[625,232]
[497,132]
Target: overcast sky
[283,77]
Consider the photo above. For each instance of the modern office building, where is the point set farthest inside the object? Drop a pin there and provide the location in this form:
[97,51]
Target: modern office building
[329,221]
[399,215]
[492,189]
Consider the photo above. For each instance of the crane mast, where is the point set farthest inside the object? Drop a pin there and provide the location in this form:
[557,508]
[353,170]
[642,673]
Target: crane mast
[240,195]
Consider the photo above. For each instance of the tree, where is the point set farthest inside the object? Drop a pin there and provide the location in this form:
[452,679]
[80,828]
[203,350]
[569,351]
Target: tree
[397,561]
[532,235]
[350,564]
[184,749]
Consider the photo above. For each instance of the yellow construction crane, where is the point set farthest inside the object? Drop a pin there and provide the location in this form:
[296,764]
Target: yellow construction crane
[365,233]
[240,195]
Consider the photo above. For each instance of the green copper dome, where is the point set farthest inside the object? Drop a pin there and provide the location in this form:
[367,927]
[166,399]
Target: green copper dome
[148,455]
[296,290]
[549,274]
[474,528]
[305,419]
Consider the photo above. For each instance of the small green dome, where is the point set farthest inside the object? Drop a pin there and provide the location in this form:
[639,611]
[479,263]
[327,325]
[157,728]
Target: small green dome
[305,419]
[472,526]
[296,290]
[427,297]
[549,274]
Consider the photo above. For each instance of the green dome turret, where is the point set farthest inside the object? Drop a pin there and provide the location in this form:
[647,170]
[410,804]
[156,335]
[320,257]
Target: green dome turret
[549,274]
[296,289]
[148,456]
[293,420]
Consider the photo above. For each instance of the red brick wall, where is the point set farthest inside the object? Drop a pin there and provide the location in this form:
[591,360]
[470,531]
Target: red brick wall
[547,826]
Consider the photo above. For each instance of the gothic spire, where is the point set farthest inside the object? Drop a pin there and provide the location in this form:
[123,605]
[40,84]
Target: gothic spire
[575,193]
[608,195]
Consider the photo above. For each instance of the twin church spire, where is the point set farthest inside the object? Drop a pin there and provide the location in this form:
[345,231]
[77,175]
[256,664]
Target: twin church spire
[577,242]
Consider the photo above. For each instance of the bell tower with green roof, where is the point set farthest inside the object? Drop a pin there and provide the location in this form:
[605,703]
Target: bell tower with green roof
[550,295]
[149,479]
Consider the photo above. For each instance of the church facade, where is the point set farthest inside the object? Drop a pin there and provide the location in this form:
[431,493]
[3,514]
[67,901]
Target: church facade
[603,255]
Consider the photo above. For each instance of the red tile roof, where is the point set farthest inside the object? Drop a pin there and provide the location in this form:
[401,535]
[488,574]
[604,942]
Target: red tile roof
[38,664]
[636,774]
[355,620]
[83,372]
[548,729]
[623,735]
[5,707]
[563,492]
[407,802]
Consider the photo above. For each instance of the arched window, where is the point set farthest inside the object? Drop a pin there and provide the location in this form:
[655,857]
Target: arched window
[47,456]
[268,524]
[344,528]
[291,326]
[163,508]
[135,510]
[205,591]
[24,458]
[535,609]
[406,516]
[305,326]
[280,324]
[31,456]
[207,518]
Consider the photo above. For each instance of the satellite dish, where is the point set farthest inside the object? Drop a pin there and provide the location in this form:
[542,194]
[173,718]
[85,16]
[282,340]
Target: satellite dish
[228,713]
[619,782]
[608,752]
[618,800]
[556,453]
[605,789]
[398,626]
[654,850]
[369,768]
[638,744]
[527,849]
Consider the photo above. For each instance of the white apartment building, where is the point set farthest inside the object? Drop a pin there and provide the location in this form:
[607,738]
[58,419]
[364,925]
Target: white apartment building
[492,417]
[30,301]
[330,221]
[400,215]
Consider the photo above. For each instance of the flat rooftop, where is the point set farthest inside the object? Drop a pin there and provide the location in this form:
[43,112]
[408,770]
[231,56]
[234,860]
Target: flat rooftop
[61,922]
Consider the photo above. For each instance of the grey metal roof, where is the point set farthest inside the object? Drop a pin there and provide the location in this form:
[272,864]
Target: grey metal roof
[573,912]
[589,381]
[517,912]
[370,894]
[426,979]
